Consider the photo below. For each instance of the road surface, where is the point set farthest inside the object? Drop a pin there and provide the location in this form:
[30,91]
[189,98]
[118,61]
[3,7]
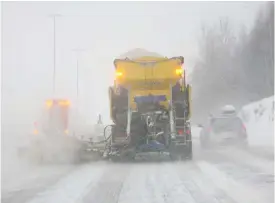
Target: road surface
[220,176]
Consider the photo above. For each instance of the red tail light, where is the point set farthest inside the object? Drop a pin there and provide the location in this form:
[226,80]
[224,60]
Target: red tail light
[181,132]
[243,132]
[188,132]
[208,129]
[244,128]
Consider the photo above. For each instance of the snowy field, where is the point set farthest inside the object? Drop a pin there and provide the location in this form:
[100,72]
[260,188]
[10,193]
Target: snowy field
[226,175]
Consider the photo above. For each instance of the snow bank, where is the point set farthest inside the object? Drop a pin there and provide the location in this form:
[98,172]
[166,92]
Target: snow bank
[259,121]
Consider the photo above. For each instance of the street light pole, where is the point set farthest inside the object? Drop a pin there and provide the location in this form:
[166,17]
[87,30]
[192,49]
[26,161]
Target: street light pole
[77,68]
[54,55]
[77,72]
[54,51]
[78,51]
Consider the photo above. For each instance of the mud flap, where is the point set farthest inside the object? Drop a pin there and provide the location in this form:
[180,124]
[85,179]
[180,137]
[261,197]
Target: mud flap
[181,151]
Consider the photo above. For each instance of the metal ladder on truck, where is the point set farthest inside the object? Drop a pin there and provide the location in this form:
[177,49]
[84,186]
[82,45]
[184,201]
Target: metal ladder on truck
[180,125]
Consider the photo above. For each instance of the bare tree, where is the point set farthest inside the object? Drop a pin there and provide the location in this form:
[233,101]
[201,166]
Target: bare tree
[234,69]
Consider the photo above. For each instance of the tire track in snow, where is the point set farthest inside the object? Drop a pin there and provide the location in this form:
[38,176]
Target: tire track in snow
[262,183]
[262,152]
[240,169]
[33,182]
[202,189]
[244,158]
[154,183]
[242,193]
[70,188]
[109,186]
[240,158]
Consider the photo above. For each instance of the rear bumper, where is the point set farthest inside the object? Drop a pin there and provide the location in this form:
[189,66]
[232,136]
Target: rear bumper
[152,147]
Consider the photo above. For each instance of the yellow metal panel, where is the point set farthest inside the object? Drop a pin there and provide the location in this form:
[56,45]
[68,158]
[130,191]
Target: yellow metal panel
[161,71]
[148,75]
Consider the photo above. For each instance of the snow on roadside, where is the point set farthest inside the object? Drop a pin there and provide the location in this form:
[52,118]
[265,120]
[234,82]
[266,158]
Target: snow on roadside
[259,121]
[246,158]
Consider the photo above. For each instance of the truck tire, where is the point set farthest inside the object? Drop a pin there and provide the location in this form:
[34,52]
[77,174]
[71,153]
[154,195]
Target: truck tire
[137,135]
[189,151]
[182,152]
[139,132]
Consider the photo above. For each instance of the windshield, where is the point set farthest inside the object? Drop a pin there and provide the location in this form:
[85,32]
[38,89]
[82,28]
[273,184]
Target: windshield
[112,101]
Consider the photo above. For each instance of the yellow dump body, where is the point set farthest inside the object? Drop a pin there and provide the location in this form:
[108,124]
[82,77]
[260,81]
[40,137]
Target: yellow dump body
[149,76]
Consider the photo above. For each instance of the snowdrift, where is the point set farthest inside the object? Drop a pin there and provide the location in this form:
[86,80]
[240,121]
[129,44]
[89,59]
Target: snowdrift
[259,121]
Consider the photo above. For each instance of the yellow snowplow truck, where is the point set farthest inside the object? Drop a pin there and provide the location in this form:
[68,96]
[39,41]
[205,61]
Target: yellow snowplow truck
[150,108]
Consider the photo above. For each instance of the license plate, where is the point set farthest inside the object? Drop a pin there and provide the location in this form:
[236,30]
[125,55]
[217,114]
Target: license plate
[221,137]
[227,135]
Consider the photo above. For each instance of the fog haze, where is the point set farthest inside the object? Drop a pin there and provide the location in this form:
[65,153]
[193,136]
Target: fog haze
[105,29]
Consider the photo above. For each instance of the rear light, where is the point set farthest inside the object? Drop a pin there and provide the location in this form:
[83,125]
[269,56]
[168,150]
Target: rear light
[208,129]
[49,103]
[244,128]
[188,132]
[119,74]
[64,103]
[244,131]
[180,132]
[179,71]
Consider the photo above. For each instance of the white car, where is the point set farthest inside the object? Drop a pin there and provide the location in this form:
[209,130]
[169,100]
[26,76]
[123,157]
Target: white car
[225,129]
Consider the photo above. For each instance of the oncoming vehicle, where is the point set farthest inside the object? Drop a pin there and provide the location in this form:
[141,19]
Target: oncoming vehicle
[226,129]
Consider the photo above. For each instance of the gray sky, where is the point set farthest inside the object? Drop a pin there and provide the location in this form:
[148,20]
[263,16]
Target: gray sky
[107,29]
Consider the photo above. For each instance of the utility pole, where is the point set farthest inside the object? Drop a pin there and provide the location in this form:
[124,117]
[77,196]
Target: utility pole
[54,51]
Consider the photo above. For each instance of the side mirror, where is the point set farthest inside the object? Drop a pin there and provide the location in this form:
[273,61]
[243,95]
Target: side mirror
[200,125]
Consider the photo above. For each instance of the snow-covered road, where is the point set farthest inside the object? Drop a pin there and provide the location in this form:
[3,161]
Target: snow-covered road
[221,176]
